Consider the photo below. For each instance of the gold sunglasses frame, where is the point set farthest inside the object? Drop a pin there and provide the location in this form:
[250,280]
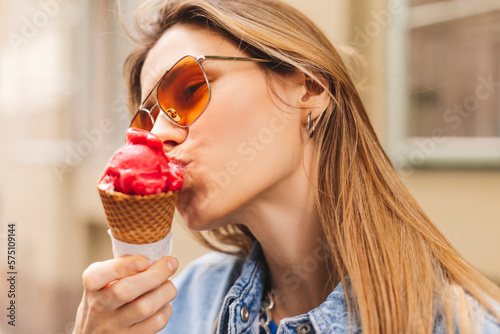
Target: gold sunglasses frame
[198,60]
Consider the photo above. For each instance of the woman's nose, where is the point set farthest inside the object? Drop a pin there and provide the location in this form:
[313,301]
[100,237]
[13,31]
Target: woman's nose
[169,133]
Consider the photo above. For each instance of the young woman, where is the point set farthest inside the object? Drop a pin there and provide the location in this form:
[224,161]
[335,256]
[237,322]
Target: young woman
[285,173]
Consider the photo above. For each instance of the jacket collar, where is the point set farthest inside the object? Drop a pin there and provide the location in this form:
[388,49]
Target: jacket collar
[246,292]
[330,317]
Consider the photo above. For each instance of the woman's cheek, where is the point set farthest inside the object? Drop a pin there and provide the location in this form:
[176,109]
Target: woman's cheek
[201,192]
[210,194]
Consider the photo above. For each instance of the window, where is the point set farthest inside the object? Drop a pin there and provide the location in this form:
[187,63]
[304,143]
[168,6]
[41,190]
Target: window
[444,84]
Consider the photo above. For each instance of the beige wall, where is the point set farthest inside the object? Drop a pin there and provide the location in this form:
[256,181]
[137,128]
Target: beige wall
[466,206]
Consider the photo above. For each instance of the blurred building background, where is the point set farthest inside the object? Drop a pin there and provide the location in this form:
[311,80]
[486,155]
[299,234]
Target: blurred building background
[428,71]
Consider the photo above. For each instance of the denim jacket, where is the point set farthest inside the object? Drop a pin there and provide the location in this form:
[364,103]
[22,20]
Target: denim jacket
[229,289]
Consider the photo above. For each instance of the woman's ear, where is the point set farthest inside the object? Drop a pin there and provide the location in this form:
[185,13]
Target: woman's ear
[315,98]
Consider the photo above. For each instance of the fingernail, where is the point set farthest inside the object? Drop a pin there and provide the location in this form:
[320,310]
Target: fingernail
[139,265]
[172,265]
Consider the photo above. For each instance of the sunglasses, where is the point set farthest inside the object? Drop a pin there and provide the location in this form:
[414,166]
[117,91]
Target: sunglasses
[182,93]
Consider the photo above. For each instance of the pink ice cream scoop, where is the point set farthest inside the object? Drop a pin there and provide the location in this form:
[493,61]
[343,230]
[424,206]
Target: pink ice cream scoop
[140,167]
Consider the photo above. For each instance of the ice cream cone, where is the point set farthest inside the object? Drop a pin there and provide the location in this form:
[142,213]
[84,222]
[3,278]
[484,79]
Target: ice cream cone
[139,219]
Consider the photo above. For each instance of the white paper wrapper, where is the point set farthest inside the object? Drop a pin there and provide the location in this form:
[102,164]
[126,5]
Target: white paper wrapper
[153,252]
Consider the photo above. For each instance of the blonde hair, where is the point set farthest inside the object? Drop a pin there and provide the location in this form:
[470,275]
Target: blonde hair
[402,269]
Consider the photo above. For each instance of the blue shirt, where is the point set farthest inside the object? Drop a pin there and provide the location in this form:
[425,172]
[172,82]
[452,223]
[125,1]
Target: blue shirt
[229,287]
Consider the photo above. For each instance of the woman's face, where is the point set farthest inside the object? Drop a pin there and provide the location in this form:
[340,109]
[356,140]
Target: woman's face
[245,146]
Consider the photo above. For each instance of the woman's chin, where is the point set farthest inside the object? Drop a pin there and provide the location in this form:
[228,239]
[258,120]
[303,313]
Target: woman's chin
[199,222]
[197,213]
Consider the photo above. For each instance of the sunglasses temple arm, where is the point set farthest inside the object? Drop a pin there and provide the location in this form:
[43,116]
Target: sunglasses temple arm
[236,58]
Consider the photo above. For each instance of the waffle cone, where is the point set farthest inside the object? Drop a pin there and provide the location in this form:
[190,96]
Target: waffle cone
[139,219]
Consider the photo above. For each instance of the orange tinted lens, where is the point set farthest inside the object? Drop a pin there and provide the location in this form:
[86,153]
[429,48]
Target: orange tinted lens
[183,92]
[142,120]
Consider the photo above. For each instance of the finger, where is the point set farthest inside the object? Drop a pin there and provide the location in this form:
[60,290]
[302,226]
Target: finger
[154,323]
[146,305]
[129,288]
[99,274]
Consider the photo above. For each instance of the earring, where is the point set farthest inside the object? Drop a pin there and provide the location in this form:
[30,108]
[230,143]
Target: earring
[310,126]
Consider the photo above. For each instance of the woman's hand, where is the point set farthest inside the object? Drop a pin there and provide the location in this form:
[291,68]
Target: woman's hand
[124,295]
